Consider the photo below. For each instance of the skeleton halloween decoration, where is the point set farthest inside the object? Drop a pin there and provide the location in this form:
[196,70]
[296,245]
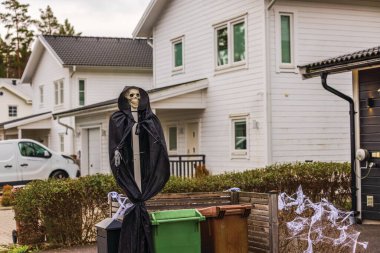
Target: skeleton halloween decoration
[135,235]
[133,97]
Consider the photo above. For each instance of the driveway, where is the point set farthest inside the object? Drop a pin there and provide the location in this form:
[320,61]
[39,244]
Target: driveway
[7,224]
[370,234]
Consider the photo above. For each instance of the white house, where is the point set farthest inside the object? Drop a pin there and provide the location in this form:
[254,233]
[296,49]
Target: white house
[15,103]
[68,72]
[258,110]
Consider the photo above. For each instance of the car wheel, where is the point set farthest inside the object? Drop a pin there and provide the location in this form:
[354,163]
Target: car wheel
[59,174]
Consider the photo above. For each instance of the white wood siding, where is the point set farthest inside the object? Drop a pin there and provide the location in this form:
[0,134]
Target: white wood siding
[9,98]
[102,86]
[48,71]
[240,91]
[308,122]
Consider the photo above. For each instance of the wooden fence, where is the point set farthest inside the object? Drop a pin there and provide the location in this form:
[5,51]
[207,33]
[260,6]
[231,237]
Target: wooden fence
[262,222]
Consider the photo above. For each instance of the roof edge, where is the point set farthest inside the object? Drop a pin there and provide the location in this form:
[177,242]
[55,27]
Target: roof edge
[144,27]
[27,99]
[310,72]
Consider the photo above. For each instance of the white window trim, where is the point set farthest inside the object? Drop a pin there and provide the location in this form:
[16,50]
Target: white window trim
[41,95]
[168,137]
[85,91]
[60,101]
[16,111]
[179,69]
[286,67]
[61,137]
[231,65]
[239,154]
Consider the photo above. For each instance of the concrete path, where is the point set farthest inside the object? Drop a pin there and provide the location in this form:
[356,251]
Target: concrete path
[7,224]
[370,234]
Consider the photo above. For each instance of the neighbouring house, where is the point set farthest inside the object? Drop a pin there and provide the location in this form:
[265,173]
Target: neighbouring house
[257,111]
[364,67]
[70,72]
[16,102]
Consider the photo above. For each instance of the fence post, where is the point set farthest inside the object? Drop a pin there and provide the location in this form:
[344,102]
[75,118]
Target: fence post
[234,198]
[273,222]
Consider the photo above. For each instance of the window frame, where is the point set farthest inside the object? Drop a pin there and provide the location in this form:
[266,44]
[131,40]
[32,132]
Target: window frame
[178,69]
[84,91]
[176,140]
[59,92]
[9,111]
[61,137]
[230,41]
[42,95]
[280,66]
[239,153]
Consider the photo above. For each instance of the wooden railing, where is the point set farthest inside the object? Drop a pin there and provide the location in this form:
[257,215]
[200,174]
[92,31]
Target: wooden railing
[185,165]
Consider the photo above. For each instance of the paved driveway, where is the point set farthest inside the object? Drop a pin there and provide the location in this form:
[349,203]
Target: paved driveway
[7,224]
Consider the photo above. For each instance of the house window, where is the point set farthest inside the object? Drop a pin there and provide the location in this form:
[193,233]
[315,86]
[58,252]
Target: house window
[172,138]
[231,43]
[81,92]
[240,136]
[285,41]
[12,110]
[178,54]
[41,88]
[62,142]
[58,92]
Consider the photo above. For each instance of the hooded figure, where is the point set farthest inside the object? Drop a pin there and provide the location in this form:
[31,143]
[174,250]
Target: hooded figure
[135,236]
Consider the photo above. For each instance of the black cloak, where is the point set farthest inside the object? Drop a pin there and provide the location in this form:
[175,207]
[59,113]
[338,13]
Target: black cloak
[135,236]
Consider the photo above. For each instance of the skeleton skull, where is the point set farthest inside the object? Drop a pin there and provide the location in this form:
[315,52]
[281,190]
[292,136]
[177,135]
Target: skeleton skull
[133,97]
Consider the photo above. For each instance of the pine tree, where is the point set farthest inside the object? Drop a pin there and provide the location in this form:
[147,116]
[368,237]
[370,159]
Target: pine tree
[19,35]
[3,57]
[68,29]
[48,23]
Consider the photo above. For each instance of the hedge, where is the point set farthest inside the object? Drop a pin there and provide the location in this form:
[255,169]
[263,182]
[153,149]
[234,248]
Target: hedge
[66,211]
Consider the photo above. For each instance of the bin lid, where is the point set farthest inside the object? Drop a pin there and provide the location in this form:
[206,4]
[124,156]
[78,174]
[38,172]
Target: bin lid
[176,216]
[109,224]
[220,211]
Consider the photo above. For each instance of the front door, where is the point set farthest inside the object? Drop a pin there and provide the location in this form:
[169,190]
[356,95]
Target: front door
[192,138]
[94,151]
[369,95]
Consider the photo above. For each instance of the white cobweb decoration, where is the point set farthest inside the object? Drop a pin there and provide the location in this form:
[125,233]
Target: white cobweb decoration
[319,224]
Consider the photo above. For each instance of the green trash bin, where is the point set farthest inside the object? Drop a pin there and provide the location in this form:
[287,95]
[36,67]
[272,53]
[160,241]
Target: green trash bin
[177,231]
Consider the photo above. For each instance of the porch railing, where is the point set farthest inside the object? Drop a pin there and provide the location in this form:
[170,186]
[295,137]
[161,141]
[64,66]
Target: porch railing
[185,165]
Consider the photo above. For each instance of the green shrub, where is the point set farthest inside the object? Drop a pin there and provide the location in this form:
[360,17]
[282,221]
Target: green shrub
[63,211]
[318,180]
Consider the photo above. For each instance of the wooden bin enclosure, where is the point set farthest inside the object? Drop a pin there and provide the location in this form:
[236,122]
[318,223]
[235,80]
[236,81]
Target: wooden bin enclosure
[262,222]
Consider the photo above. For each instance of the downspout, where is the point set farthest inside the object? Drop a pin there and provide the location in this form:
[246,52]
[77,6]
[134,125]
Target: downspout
[352,137]
[67,127]
[268,84]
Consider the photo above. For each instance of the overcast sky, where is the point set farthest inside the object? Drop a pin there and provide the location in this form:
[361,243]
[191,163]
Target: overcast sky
[116,18]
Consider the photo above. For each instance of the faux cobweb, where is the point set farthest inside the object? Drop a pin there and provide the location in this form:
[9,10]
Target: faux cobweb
[317,227]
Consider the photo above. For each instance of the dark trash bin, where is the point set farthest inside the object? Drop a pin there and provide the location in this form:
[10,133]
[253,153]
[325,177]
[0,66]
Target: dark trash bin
[108,234]
[225,229]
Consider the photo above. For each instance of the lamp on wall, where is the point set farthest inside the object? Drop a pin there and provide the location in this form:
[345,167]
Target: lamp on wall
[370,102]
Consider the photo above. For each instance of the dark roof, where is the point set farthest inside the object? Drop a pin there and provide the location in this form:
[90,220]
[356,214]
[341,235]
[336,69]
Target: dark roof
[346,62]
[23,118]
[101,51]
